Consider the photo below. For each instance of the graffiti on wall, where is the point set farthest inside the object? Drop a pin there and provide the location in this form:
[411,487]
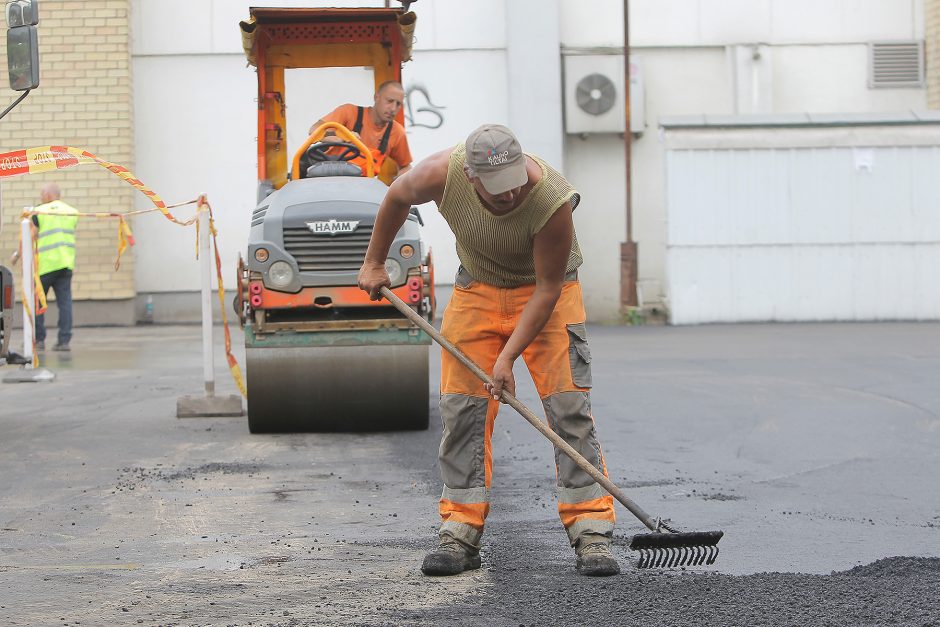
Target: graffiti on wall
[420,111]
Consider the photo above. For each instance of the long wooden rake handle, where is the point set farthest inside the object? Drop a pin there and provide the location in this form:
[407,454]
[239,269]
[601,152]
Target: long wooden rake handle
[527,413]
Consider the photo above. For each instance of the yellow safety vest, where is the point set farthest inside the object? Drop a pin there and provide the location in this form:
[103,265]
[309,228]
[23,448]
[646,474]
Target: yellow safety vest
[56,239]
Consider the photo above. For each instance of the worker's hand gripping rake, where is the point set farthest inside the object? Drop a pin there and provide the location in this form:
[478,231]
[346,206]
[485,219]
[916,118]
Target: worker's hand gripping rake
[665,547]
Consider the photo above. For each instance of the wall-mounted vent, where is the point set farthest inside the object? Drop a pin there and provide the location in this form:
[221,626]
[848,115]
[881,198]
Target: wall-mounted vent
[896,64]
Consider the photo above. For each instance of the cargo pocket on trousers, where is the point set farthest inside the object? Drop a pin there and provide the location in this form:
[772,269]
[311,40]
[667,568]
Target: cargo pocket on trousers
[463,280]
[579,354]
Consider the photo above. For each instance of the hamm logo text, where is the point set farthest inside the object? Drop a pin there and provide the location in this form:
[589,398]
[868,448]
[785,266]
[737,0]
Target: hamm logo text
[332,227]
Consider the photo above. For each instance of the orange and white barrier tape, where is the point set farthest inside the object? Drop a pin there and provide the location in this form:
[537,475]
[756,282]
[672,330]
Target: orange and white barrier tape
[48,158]
[232,362]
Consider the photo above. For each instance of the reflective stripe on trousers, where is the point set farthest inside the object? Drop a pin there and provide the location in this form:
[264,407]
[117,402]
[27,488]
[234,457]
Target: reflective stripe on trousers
[479,320]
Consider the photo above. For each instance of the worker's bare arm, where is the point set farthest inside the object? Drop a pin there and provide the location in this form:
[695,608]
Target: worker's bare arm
[317,124]
[15,257]
[423,183]
[329,135]
[403,171]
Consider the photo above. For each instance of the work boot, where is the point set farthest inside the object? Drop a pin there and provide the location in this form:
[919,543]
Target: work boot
[63,348]
[450,558]
[594,556]
[40,346]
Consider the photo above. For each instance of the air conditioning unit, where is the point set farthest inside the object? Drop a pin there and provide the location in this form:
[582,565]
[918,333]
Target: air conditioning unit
[594,94]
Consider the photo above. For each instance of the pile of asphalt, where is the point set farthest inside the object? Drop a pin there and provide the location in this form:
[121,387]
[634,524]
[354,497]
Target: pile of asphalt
[897,567]
[903,591]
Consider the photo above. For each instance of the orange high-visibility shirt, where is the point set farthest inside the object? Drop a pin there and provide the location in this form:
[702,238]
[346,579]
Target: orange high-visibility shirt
[371,134]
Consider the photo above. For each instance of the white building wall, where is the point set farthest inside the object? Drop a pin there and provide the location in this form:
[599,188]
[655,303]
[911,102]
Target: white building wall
[833,79]
[689,81]
[816,53]
[496,61]
[194,120]
[196,117]
[693,23]
[534,77]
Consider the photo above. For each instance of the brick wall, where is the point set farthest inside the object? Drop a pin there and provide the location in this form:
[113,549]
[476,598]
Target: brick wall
[83,100]
[932,28]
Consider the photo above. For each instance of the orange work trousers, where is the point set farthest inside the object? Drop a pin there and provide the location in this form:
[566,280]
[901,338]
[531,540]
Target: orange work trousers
[479,320]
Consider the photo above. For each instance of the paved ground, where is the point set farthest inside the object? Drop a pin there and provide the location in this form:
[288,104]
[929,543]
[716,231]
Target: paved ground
[814,447]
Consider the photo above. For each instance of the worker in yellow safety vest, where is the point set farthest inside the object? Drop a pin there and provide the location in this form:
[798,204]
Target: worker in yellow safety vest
[54,233]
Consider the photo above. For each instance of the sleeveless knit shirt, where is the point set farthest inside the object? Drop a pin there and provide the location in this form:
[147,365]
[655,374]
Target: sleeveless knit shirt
[498,249]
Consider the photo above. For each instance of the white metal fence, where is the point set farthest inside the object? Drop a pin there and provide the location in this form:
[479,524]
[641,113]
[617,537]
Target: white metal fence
[799,218]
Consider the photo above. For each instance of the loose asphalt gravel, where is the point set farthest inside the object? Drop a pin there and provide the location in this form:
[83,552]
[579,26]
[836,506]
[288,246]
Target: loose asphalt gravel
[814,447]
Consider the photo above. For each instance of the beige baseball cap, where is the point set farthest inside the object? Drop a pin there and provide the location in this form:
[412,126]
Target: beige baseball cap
[496,157]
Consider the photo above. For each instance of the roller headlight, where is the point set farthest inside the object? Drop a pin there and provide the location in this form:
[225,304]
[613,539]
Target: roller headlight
[394,271]
[280,274]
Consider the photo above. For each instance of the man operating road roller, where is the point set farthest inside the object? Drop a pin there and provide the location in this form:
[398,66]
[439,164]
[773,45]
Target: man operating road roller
[516,294]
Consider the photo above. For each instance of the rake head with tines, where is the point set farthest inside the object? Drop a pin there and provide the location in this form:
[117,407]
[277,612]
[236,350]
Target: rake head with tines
[670,550]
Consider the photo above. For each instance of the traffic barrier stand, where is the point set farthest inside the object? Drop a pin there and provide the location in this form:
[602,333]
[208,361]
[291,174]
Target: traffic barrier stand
[209,404]
[46,158]
[28,372]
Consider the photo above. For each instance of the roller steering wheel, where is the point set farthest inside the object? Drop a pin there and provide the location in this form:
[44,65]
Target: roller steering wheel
[318,151]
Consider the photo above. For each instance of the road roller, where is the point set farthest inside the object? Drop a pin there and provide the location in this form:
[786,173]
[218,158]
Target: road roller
[321,356]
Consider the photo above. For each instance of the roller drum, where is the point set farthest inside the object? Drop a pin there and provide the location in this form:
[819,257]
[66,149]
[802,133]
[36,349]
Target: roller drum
[337,388]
